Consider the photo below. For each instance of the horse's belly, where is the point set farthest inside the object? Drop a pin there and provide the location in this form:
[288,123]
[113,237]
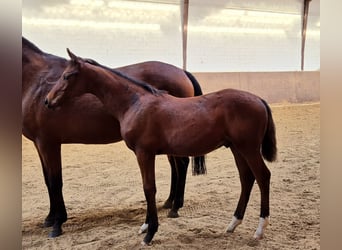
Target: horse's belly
[91,138]
[91,133]
[195,145]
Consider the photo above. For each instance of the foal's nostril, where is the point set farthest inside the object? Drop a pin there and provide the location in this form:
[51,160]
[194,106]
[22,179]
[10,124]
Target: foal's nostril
[46,102]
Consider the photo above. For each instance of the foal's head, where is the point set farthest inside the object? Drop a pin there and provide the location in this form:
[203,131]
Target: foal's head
[69,84]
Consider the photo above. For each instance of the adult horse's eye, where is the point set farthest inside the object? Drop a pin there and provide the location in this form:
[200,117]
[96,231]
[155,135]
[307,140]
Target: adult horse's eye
[65,77]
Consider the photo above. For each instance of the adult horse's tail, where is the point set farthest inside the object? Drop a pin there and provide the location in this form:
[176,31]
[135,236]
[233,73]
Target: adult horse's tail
[195,83]
[269,143]
[198,162]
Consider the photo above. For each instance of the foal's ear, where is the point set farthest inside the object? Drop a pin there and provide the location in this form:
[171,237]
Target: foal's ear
[73,57]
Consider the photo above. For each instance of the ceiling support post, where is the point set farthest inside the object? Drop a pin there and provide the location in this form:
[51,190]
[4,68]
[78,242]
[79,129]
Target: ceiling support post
[184,29]
[304,25]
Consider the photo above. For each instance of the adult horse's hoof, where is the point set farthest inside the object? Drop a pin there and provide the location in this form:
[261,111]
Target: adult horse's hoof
[48,223]
[173,214]
[55,232]
[167,204]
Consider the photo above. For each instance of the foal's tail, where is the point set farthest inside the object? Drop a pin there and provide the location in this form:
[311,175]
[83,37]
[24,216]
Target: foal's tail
[269,143]
[198,162]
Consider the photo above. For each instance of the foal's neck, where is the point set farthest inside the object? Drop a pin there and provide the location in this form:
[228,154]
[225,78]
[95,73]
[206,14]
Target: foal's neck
[116,94]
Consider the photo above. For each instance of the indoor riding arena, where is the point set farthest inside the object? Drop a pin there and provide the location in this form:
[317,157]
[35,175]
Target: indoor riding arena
[268,48]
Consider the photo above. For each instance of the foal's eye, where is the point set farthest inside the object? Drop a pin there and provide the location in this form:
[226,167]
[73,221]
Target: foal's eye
[66,76]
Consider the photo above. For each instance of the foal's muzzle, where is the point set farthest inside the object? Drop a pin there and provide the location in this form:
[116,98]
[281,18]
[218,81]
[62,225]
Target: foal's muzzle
[47,103]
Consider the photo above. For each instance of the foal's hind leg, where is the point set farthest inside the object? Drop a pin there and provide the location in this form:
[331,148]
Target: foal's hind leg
[262,175]
[50,156]
[247,180]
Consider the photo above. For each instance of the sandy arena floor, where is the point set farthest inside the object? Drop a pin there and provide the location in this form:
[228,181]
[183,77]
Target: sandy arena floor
[106,205]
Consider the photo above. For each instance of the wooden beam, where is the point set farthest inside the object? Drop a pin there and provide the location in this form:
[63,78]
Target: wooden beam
[304,25]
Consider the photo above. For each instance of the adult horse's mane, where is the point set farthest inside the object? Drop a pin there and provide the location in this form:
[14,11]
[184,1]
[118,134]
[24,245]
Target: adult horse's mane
[141,84]
[31,46]
[30,50]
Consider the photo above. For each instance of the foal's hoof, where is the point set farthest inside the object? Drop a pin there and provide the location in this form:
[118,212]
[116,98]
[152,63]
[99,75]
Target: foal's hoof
[143,228]
[259,233]
[144,244]
[258,236]
[233,224]
[147,240]
[55,232]
[173,214]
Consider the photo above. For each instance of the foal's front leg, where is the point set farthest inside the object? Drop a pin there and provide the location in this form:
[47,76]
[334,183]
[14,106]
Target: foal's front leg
[179,167]
[147,168]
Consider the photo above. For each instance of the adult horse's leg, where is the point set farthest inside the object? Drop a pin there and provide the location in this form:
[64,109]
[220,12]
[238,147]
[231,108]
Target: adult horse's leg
[50,157]
[174,176]
[147,168]
[180,166]
[247,180]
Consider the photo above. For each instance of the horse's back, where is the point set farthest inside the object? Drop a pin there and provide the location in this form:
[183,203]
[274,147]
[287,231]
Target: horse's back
[158,74]
[235,113]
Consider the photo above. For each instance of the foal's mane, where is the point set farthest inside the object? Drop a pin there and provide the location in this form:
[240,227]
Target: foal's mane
[139,83]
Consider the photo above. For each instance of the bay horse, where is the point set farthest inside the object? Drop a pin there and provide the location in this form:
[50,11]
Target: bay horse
[153,122]
[84,120]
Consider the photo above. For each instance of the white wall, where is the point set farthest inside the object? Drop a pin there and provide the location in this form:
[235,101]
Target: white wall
[223,36]
[274,87]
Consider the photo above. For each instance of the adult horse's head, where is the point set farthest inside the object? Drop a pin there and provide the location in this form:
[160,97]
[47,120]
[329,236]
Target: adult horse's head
[66,87]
